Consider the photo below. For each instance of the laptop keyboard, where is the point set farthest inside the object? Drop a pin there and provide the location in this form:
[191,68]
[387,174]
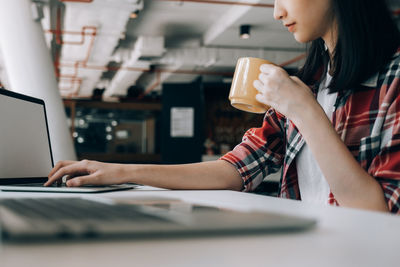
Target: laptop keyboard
[77,208]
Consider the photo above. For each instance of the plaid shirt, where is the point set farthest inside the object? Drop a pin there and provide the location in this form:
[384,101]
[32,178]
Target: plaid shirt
[368,122]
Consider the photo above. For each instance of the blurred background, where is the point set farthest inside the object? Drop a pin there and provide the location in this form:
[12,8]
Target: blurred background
[146,81]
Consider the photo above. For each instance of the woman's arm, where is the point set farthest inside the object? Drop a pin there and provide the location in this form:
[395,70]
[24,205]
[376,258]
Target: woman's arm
[205,175]
[351,185]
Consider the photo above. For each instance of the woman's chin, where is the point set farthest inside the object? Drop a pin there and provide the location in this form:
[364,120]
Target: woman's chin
[301,38]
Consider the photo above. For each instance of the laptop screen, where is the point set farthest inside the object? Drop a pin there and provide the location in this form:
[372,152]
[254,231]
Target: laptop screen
[25,150]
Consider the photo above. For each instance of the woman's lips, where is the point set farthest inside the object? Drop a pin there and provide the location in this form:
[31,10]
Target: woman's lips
[290,26]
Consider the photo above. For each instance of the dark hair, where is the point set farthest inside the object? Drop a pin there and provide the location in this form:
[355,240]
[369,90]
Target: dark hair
[367,39]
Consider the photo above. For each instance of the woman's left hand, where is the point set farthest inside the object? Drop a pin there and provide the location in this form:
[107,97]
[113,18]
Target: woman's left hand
[286,94]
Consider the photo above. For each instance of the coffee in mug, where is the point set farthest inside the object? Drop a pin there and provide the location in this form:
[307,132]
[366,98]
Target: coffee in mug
[243,93]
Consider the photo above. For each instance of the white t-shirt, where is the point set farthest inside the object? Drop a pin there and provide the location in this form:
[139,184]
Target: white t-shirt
[312,183]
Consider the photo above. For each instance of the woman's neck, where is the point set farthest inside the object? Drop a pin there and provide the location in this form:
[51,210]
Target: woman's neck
[330,38]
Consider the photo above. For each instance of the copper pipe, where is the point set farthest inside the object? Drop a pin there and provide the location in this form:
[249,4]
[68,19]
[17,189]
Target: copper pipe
[199,72]
[298,58]
[73,82]
[92,32]
[73,115]
[152,87]
[57,62]
[103,68]
[62,32]
[58,26]
[159,71]
[217,2]
[84,62]
[158,82]
[74,77]
[86,30]
[83,33]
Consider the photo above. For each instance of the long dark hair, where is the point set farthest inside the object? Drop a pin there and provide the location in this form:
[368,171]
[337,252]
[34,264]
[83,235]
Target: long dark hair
[367,39]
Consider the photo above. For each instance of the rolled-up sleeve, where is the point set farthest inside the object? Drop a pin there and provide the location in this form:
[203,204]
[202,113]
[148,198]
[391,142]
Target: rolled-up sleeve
[261,151]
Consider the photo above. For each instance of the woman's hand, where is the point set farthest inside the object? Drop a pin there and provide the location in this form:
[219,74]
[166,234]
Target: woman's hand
[286,94]
[86,172]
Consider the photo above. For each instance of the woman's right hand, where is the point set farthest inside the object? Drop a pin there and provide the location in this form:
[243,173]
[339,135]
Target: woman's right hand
[86,172]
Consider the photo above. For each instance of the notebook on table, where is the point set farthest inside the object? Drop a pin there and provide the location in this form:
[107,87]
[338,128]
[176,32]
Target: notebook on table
[26,157]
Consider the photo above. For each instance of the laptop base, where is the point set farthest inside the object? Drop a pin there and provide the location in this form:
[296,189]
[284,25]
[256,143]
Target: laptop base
[65,189]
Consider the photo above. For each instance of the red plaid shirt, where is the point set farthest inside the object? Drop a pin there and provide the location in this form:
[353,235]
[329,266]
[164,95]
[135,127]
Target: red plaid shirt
[368,122]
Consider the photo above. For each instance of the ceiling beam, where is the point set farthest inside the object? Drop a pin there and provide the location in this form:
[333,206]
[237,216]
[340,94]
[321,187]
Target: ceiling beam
[237,3]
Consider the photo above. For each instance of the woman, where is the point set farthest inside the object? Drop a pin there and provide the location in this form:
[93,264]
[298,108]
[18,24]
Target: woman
[338,143]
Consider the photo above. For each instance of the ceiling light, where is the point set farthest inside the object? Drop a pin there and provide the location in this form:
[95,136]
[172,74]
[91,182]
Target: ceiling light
[134,15]
[244,31]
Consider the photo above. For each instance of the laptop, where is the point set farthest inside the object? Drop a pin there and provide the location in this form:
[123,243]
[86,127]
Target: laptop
[37,219]
[25,150]
[26,159]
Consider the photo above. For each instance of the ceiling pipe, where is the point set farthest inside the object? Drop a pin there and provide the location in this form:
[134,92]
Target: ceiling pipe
[153,86]
[83,63]
[82,33]
[199,72]
[102,68]
[62,32]
[74,77]
[161,70]
[226,74]
[293,60]
[91,51]
[217,2]
[75,81]
[77,1]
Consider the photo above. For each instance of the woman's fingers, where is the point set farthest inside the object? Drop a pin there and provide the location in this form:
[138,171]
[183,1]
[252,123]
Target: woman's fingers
[263,77]
[266,68]
[260,98]
[258,85]
[296,80]
[59,165]
[67,168]
[80,180]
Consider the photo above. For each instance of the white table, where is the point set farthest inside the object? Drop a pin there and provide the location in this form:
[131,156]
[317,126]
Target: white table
[342,237]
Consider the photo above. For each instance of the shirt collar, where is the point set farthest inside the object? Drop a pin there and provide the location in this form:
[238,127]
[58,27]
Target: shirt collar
[373,80]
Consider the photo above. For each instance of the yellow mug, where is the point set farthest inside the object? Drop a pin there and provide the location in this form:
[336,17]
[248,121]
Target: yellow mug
[243,94]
